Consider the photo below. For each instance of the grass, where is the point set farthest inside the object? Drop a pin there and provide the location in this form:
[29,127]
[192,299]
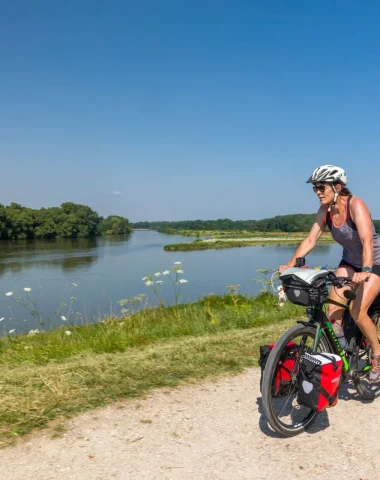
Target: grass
[52,375]
[217,244]
[241,234]
[210,315]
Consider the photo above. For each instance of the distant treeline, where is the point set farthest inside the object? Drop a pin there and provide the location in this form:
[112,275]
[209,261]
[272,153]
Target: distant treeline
[70,220]
[281,223]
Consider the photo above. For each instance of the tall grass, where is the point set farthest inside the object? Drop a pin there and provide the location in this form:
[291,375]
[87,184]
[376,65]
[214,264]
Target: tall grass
[31,395]
[211,315]
[65,371]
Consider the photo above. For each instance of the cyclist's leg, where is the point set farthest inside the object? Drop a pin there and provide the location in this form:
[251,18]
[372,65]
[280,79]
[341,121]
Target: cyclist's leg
[335,312]
[365,295]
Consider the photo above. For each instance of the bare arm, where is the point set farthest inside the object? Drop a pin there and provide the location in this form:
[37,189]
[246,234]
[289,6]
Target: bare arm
[310,241]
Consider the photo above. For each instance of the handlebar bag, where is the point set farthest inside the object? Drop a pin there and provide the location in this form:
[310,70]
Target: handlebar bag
[319,380]
[304,286]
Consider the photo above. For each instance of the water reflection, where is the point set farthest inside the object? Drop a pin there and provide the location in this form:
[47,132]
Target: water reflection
[118,240]
[66,263]
[68,254]
[11,248]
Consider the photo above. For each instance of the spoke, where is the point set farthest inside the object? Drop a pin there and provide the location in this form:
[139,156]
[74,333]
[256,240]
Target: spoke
[286,402]
[287,405]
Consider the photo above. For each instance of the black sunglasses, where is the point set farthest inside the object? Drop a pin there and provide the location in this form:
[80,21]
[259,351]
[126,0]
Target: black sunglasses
[321,188]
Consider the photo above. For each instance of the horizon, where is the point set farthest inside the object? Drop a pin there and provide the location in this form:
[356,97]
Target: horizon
[170,110]
[155,221]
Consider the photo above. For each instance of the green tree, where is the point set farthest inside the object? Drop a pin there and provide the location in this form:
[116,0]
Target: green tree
[3,223]
[115,225]
[70,220]
[79,221]
[20,221]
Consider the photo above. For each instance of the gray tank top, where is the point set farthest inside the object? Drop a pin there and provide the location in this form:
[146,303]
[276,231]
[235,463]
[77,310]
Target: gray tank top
[347,236]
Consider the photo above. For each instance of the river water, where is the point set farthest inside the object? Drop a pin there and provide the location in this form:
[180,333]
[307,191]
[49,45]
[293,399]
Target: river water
[108,269]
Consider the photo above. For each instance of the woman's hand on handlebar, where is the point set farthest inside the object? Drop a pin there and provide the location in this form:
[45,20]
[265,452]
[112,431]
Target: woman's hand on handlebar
[360,277]
[281,268]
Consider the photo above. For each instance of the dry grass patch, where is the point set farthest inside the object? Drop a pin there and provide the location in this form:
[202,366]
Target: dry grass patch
[31,395]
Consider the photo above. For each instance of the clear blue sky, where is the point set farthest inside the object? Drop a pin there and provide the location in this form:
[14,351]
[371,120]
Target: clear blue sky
[175,109]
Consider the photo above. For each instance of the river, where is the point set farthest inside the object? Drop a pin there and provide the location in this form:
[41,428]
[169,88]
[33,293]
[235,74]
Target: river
[108,269]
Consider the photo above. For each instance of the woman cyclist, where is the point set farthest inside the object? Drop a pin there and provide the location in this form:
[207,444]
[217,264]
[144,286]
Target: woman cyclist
[351,226]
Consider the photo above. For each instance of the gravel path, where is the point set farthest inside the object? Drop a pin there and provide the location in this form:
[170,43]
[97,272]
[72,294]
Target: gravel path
[209,430]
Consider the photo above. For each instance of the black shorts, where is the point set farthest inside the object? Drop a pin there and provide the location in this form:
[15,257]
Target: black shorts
[375,268]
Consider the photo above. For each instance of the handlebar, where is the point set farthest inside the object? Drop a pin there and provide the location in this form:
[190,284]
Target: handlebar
[340,282]
[337,282]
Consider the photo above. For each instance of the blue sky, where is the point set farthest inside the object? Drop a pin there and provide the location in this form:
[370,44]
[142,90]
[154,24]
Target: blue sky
[173,110]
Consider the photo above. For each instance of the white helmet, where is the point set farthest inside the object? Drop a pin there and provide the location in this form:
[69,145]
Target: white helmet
[328,174]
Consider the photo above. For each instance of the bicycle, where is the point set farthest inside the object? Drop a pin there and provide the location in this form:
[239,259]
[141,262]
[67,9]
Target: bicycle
[310,288]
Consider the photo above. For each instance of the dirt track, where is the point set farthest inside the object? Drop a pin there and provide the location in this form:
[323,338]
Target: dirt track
[211,430]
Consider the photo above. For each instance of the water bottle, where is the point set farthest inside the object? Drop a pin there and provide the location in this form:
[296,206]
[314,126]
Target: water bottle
[338,330]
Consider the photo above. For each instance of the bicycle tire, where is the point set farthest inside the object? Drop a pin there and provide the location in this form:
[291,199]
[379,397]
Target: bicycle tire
[268,399]
[366,390]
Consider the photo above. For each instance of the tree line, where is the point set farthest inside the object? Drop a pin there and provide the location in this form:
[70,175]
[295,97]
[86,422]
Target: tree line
[298,222]
[70,220]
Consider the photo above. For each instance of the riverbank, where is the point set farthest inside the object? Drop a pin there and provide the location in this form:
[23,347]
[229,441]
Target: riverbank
[62,372]
[243,239]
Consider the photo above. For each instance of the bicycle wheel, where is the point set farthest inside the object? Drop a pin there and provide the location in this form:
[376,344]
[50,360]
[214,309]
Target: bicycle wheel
[283,412]
[362,360]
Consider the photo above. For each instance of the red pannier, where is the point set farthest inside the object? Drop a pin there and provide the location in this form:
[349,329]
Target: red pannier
[319,380]
[282,383]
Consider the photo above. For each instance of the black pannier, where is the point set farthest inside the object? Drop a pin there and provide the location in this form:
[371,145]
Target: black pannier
[301,292]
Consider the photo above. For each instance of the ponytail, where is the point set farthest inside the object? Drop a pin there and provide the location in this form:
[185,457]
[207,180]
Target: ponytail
[345,192]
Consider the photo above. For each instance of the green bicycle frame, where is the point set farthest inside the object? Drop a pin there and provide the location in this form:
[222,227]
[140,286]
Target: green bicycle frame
[325,326]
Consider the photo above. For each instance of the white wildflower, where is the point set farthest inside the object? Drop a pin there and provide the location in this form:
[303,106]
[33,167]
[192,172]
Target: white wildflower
[148,283]
[9,294]
[183,280]
[177,263]
[33,332]
[11,331]
[27,289]
[179,271]
[158,274]
[63,318]
[1,319]
[145,279]
[67,332]
[74,284]
[159,281]
[166,272]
